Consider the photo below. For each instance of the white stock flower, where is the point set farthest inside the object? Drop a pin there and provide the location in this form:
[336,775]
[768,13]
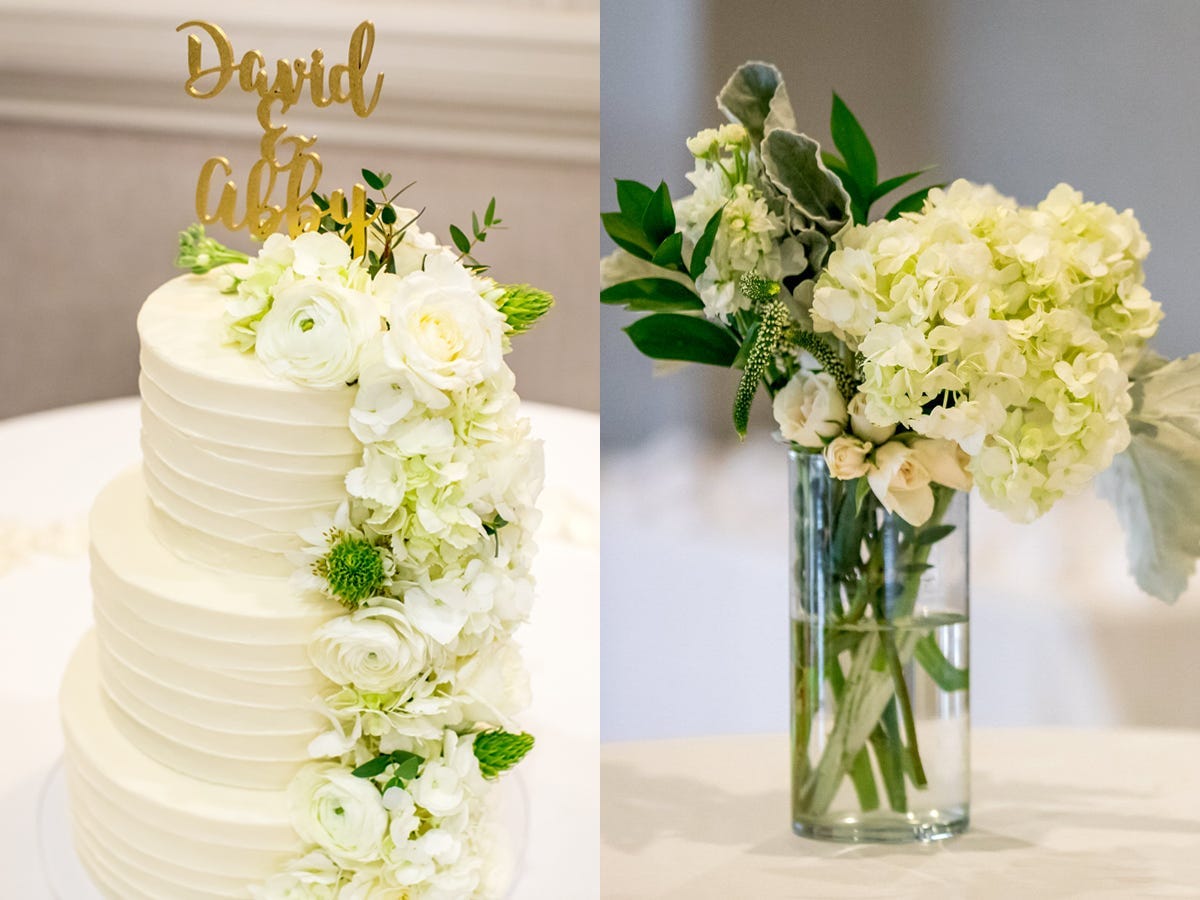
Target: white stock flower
[374,648]
[443,332]
[846,457]
[901,483]
[862,425]
[314,333]
[340,813]
[810,408]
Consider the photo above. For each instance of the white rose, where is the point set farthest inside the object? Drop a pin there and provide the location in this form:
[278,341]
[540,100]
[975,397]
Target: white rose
[945,462]
[313,876]
[442,331]
[494,683]
[901,483]
[809,409]
[846,457]
[864,427]
[341,814]
[375,649]
[314,333]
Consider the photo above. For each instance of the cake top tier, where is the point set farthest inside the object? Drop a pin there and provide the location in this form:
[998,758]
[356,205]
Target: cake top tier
[237,459]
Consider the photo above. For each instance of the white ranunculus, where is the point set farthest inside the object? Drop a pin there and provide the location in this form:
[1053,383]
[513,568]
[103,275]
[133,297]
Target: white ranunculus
[901,483]
[315,332]
[863,426]
[945,462]
[375,649]
[443,332]
[341,814]
[846,457]
[494,683]
[810,409]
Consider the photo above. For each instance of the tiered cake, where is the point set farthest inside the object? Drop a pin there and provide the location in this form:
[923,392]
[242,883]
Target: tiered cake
[189,708]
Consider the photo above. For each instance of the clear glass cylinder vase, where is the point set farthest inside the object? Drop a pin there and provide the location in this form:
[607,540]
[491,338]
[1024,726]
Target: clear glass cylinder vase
[880,695]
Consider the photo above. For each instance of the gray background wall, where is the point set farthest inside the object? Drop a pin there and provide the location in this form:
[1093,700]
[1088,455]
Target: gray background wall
[1102,94]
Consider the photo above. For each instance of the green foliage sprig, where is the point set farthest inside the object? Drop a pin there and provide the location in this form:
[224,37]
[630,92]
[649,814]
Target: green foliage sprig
[479,232]
[385,225]
[407,766]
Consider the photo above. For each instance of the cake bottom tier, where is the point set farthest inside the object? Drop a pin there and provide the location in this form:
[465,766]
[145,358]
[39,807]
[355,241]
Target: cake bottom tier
[144,831]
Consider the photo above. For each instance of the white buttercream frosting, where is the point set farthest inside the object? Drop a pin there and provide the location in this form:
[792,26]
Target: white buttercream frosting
[145,830]
[237,460]
[207,672]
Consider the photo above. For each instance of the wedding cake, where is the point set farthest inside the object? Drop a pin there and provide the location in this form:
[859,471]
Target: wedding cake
[301,679]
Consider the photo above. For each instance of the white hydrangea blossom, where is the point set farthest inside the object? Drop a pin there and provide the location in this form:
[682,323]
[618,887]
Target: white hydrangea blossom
[1007,329]
[444,496]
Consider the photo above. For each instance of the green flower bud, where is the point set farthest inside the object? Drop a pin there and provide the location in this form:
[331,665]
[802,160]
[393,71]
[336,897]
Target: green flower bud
[523,305]
[202,254]
[499,751]
[353,568]
[758,288]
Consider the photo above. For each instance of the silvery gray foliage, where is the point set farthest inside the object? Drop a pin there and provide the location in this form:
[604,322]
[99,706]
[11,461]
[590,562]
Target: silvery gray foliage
[1155,484]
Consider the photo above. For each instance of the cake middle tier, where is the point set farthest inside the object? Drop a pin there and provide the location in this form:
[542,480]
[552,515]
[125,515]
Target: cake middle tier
[208,671]
[237,460]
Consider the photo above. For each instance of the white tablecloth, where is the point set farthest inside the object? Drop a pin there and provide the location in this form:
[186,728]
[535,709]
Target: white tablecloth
[53,464]
[1057,814]
[695,606]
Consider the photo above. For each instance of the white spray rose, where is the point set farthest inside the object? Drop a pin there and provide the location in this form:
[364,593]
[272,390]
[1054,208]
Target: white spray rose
[341,814]
[846,457]
[374,648]
[901,483]
[443,332]
[314,333]
[809,409]
[864,427]
[945,462]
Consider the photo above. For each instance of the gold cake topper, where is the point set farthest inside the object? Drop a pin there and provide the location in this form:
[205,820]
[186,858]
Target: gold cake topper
[340,83]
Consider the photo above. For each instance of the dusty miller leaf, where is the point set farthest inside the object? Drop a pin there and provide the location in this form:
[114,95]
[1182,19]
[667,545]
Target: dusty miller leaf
[756,96]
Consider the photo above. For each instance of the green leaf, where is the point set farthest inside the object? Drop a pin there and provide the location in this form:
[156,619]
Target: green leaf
[373,180]
[388,215]
[489,217]
[792,163]
[632,198]
[946,675]
[322,203]
[386,178]
[932,534]
[407,764]
[755,95]
[461,241]
[886,187]
[862,487]
[373,767]
[686,338]
[704,246]
[851,140]
[669,254]
[912,203]
[658,221]
[628,235]
[652,295]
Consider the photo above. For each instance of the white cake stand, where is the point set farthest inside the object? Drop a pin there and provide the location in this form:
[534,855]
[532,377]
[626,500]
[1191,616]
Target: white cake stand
[68,880]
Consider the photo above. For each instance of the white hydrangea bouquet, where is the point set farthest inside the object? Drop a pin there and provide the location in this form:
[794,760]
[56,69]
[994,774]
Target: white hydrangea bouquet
[959,340]
[429,554]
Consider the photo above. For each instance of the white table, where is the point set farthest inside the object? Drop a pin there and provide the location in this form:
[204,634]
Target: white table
[51,467]
[1056,814]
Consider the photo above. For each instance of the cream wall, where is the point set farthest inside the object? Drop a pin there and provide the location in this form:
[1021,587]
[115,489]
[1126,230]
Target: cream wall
[100,150]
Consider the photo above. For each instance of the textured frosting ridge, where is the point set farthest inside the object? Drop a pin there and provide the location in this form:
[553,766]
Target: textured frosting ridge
[236,460]
[143,829]
[206,672]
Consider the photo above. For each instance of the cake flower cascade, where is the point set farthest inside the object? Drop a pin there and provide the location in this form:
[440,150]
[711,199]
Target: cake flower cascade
[957,340]
[429,555]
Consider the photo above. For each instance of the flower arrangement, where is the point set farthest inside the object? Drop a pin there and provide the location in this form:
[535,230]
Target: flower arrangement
[429,554]
[958,340]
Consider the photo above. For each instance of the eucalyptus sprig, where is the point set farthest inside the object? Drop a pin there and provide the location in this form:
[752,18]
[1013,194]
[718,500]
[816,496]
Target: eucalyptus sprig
[479,233]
